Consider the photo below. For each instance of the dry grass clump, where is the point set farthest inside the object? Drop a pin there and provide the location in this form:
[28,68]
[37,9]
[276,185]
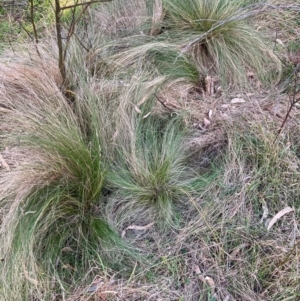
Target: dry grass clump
[221,38]
[56,202]
[191,40]
[151,180]
[52,229]
[33,82]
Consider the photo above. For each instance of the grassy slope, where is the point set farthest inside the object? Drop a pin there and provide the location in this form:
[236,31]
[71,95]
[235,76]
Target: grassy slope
[150,187]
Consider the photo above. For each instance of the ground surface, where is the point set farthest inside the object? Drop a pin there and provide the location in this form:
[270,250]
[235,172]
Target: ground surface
[236,239]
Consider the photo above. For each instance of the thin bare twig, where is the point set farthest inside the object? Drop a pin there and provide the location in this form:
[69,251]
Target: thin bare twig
[84,3]
[32,21]
[61,59]
[158,99]
[34,27]
[294,101]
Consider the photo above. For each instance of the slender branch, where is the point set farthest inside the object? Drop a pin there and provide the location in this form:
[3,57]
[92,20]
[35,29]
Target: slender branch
[83,3]
[24,28]
[32,21]
[61,59]
[62,49]
[158,99]
[34,27]
[294,101]
[286,117]
[70,30]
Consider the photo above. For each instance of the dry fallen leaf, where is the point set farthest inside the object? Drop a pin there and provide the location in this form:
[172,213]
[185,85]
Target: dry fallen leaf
[145,116]
[278,215]
[236,250]
[4,163]
[206,122]
[198,273]
[206,280]
[137,109]
[135,227]
[211,284]
[237,100]
[210,113]
[279,42]
[225,106]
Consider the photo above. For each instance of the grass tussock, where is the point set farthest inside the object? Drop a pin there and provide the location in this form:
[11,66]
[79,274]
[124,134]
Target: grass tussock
[150,178]
[222,39]
[52,200]
[194,39]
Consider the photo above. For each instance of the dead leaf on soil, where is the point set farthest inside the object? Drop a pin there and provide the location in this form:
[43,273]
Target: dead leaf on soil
[197,270]
[206,280]
[279,42]
[4,163]
[210,113]
[278,215]
[237,100]
[210,282]
[198,273]
[236,250]
[135,227]
[145,116]
[137,109]
[206,122]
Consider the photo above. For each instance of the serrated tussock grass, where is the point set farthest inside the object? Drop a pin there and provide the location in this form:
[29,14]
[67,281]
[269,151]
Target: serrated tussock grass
[53,229]
[150,178]
[116,160]
[220,36]
[56,200]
